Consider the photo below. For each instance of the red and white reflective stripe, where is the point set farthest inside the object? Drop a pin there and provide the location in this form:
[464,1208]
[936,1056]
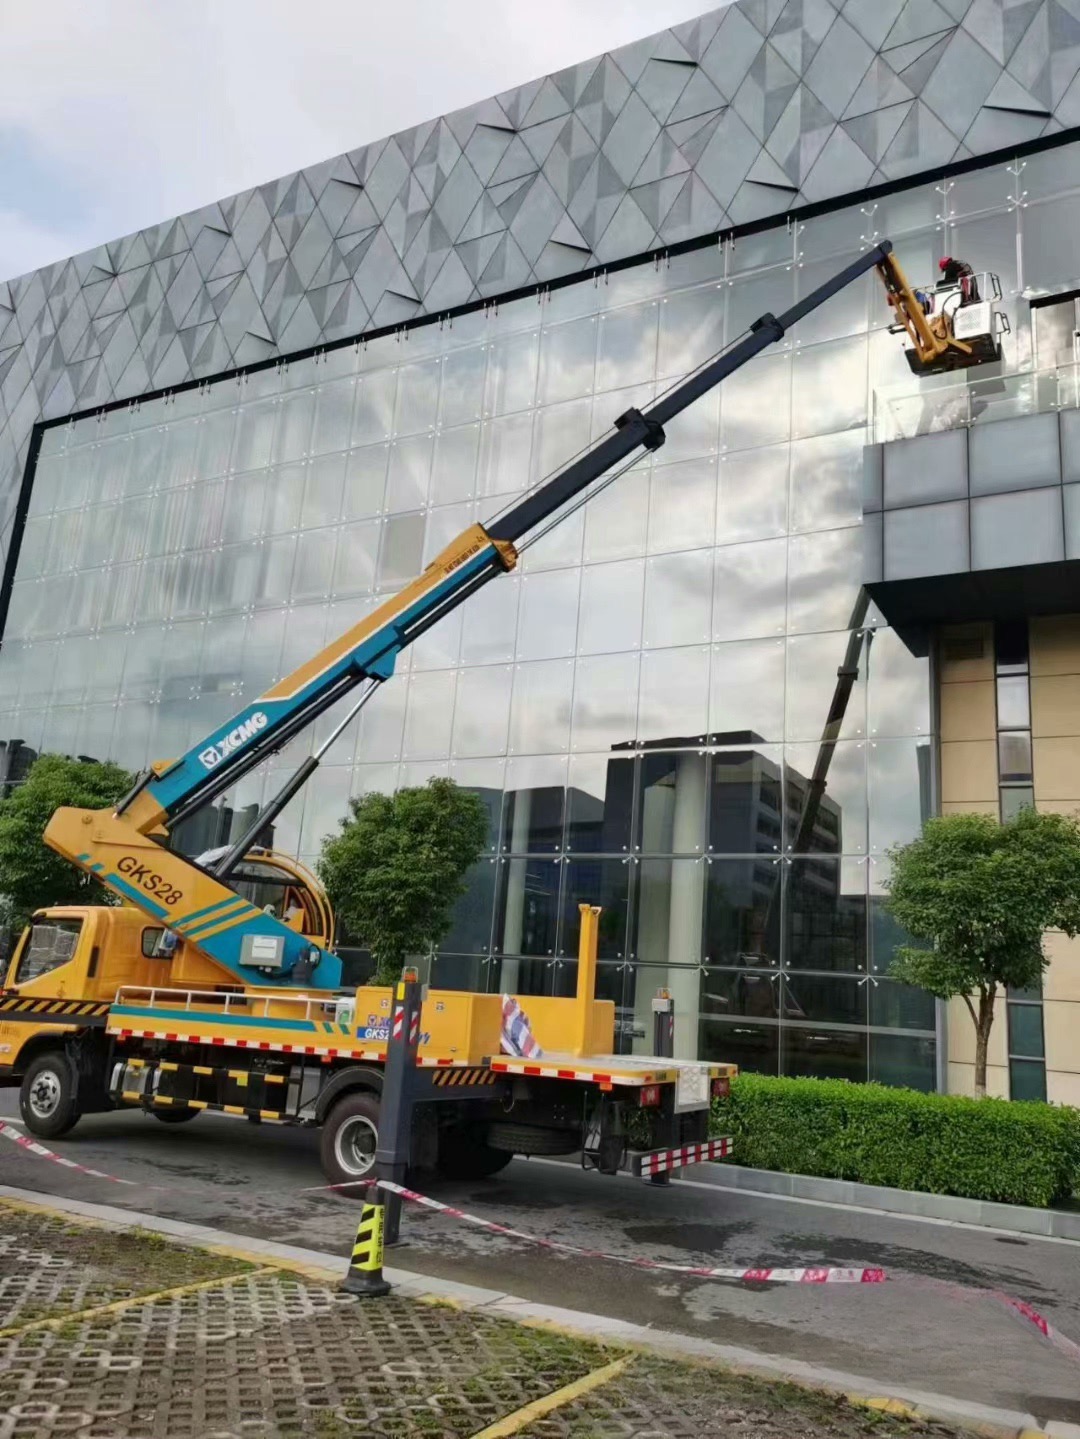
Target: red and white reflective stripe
[24,1142]
[663,1159]
[546,1071]
[414,1028]
[398,1027]
[262,1044]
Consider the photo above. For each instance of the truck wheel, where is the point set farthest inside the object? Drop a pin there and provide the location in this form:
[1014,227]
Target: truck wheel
[349,1135]
[530,1139]
[174,1116]
[47,1096]
[465,1154]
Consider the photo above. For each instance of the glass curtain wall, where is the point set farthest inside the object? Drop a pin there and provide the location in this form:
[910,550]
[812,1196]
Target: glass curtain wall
[642,703]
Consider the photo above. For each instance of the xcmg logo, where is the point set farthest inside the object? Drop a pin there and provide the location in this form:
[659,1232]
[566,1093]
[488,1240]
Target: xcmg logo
[212,756]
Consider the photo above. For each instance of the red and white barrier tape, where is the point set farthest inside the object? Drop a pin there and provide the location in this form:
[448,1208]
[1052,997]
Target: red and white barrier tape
[821,1275]
[7,1131]
[809,1275]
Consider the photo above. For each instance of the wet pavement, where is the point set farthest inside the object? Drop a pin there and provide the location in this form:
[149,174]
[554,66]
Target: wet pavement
[933,1326]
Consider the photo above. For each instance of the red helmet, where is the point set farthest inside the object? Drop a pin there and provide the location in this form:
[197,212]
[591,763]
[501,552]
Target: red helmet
[944,262]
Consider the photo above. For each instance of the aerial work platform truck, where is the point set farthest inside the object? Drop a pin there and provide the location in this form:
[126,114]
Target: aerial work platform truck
[214,982]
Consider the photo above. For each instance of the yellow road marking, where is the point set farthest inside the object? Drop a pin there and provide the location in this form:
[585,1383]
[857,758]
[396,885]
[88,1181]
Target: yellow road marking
[79,1316]
[514,1423]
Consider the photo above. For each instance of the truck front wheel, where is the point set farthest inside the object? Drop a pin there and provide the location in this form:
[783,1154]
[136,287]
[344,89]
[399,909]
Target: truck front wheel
[47,1097]
[350,1133]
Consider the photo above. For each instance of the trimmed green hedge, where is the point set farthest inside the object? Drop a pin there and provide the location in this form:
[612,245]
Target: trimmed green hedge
[994,1149]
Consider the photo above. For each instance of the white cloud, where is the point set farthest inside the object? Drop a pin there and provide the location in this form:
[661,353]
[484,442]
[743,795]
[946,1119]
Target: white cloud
[141,109]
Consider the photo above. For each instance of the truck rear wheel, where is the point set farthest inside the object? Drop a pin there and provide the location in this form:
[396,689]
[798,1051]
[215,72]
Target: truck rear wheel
[464,1153]
[47,1096]
[350,1133]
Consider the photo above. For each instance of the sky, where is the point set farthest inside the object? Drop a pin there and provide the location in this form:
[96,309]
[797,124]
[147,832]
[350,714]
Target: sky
[116,114]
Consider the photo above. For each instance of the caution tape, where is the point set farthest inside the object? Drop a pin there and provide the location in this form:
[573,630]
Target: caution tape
[24,1142]
[826,1274]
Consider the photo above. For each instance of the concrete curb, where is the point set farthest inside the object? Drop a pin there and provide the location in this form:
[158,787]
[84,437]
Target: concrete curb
[868,1393]
[1014,1218]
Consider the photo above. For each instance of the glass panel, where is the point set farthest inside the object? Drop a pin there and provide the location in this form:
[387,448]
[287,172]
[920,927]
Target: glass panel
[682,505]
[511,374]
[617,519]
[829,387]
[354,562]
[746,699]
[605,882]
[691,329]
[825,797]
[470,922]
[365,482]
[826,480]
[429,715]
[671,805]
[532,815]
[745,801]
[567,360]
[755,1048]
[678,598]
[409,473]
[527,906]
[742,913]
[904,1061]
[1015,454]
[825,908]
[1026,1030]
[1013,707]
[669,904]
[548,620]
[750,590]
[1027,1079]
[1014,799]
[1014,755]
[824,999]
[401,552]
[756,404]
[374,413]
[333,416]
[611,607]
[605,704]
[898,684]
[900,1006]
[540,709]
[489,630]
[824,1053]
[824,576]
[901,788]
[482,711]
[816,696]
[417,397]
[741,991]
[462,389]
[505,447]
[753,501]
[454,473]
[673,702]
[626,349]
[599,804]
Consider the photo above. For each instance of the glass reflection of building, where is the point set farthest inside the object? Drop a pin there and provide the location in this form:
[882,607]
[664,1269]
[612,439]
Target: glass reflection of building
[181,552]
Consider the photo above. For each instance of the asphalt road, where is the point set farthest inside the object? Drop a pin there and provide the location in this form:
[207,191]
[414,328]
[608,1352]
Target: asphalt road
[919,1330]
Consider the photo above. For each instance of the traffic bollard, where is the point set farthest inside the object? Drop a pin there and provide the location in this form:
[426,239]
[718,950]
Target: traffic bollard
[365,1276]
[663,1009]
[398,1095]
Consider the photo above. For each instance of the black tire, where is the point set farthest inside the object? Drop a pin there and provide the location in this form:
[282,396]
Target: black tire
[47,1099]
[174,1116]
[527,1139]
[465,1154]
[348,1138]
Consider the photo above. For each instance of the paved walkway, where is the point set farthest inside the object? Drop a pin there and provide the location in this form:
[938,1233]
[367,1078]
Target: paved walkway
[110,1335]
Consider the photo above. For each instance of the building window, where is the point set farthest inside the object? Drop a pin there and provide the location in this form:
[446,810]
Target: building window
[1027,1059]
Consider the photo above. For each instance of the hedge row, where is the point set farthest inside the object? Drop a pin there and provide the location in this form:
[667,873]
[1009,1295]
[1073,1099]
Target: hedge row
[993,1149]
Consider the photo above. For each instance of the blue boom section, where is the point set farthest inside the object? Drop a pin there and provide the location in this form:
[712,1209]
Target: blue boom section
[260,722]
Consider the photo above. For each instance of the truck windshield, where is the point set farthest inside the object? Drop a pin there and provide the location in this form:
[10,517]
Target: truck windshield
[49,944]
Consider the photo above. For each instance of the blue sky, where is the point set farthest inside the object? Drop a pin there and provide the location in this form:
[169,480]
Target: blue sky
[115,114]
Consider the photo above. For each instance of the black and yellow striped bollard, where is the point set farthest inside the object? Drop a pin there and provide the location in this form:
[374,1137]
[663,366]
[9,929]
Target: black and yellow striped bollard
[365,1276]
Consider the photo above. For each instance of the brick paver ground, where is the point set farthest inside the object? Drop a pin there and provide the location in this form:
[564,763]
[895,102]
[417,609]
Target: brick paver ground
[91,1347]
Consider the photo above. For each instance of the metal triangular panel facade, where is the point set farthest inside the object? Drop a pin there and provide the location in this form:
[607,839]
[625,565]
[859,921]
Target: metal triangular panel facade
[745,113]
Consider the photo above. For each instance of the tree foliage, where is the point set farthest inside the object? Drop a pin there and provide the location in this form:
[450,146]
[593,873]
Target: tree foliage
[396,868]
[980,894]
[32,876]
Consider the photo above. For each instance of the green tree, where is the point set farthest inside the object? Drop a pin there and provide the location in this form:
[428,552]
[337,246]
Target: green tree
[980,894]
[396,868]
[33,876]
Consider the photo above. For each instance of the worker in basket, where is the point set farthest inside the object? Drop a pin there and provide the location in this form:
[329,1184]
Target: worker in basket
[959,272]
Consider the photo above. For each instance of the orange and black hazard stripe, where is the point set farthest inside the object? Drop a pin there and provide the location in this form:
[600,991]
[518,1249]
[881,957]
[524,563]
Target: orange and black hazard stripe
[163,1101]
[451,1078]
[83,1012]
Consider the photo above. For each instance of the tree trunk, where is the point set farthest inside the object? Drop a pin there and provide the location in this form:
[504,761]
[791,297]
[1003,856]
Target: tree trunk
[983,1024]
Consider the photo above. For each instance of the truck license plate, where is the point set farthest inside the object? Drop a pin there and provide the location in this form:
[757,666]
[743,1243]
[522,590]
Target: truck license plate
[692,1089]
